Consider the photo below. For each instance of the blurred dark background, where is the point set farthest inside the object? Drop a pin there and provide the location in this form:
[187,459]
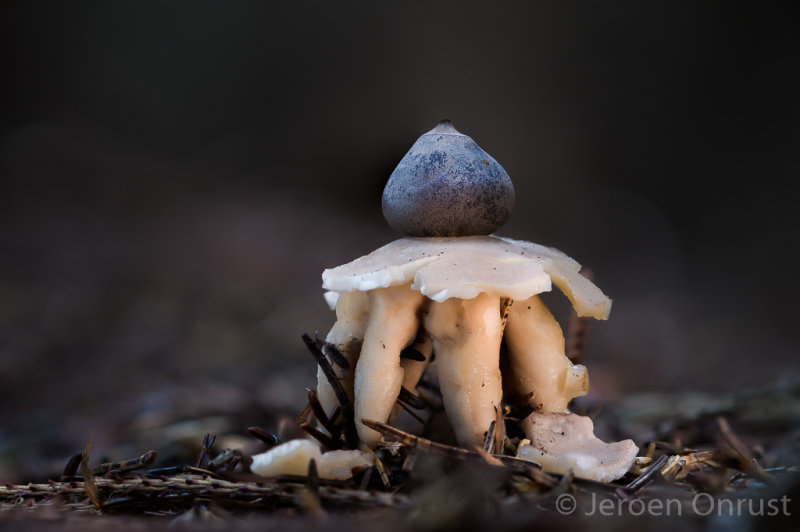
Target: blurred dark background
[174,176]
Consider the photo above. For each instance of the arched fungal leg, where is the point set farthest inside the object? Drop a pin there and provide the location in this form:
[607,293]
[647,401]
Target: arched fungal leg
[558,441]
[352,310]
[466,337]
[393,324]
[536,358]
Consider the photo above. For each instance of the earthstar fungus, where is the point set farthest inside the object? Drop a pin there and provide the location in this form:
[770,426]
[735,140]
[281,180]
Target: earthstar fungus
[452,291]
[440,290]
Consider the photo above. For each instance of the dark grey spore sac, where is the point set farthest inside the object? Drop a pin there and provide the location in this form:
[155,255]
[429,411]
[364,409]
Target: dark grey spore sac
[446,185]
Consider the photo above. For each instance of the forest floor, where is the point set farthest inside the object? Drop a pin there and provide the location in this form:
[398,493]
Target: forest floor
[706,462]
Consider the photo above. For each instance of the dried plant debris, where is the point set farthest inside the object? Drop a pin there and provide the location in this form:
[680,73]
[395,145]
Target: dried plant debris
[416,477]
[717,459]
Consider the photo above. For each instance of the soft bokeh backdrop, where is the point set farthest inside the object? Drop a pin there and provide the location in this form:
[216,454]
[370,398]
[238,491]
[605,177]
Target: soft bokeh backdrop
[175,176]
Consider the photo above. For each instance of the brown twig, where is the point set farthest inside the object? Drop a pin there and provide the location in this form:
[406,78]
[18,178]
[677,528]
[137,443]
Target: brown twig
[262,493]
[488,440]
[320,436]
[488,457]
[647,476]
[405,406]
[229,459]
[499,430]
[415,441]
[411,399]
[208,443]
[128,465]
[380,468]
[412,354]
[71,468]
[269,439]
[302,417]
[88,479]
[319,413]
[748,463]
[335,413]
[312,482]
[341,395]
[517,465]
[335,355]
